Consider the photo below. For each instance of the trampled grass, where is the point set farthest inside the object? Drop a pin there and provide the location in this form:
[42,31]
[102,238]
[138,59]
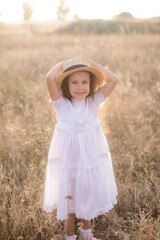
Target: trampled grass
[130,120]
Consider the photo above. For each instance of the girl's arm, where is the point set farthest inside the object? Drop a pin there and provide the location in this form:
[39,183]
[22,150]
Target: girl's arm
[110,78]
[51,82]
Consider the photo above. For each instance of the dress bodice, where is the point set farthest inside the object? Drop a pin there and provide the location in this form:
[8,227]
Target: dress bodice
[78,114]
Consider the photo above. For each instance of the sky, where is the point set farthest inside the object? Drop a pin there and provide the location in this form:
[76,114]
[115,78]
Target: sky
[11,10]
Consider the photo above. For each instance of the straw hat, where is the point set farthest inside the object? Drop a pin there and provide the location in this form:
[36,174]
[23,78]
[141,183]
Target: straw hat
[75,65]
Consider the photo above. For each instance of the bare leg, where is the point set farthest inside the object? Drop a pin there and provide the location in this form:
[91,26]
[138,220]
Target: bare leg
[70,224]
[86,223]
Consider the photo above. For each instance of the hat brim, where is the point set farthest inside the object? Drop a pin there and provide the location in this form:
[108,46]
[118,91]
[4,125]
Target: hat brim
[96,72]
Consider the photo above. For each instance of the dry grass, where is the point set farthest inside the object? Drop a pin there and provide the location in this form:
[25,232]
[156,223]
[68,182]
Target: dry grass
[130,121]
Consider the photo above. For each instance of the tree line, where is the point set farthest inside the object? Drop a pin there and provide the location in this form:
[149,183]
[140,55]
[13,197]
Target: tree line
[62,10]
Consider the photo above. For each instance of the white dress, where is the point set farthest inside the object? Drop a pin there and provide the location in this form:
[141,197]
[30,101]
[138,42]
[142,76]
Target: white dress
[79,162]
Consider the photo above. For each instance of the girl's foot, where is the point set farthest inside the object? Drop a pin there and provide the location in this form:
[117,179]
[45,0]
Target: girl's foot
[86,234]
[70,237]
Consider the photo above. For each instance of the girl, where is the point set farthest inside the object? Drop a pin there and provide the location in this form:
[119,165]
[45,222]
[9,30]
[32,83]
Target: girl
[79,177]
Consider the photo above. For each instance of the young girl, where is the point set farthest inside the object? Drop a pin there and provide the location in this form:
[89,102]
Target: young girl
[79,177]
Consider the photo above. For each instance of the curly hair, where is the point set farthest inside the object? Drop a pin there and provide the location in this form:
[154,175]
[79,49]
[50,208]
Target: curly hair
[65,86]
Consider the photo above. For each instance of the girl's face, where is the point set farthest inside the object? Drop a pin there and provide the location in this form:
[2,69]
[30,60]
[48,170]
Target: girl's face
[79,85]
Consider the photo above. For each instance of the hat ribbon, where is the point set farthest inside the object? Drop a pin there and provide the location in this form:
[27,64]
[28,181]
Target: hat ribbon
[74,67]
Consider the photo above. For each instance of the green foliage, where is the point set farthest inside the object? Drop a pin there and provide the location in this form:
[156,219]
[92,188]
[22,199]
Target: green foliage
[124,16]
[100,26]
[62,10]
[28,10]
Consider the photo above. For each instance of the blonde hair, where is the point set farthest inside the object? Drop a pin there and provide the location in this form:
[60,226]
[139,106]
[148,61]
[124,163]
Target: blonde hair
[65,86]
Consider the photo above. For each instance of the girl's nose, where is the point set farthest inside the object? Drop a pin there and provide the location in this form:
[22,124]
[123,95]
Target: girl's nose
[80,86]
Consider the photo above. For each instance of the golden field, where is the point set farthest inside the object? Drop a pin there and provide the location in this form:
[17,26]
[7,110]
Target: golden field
[130,120]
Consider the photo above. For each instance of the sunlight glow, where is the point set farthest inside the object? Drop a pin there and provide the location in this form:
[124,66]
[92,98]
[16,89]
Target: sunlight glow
[104,9]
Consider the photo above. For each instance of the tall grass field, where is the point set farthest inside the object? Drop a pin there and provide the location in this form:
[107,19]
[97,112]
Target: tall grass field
[130,120]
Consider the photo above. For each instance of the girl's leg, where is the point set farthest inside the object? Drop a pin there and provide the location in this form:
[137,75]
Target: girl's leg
[70,224]
[86,223]
[85,231]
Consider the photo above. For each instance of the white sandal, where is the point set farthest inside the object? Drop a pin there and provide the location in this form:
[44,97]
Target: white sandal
[70,237]
[86,234]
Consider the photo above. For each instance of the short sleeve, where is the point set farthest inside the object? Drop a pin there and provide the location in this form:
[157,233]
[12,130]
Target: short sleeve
[59,103]
[98,97]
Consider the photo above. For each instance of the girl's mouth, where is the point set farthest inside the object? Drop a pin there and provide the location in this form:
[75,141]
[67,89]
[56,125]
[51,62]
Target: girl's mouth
[80,93]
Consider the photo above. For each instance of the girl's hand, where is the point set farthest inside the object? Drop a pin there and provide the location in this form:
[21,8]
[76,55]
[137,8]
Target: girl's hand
[59,66]
[53,88]
[110,78]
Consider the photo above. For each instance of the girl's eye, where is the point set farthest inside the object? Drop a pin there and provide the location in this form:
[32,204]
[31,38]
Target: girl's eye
[74,82]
